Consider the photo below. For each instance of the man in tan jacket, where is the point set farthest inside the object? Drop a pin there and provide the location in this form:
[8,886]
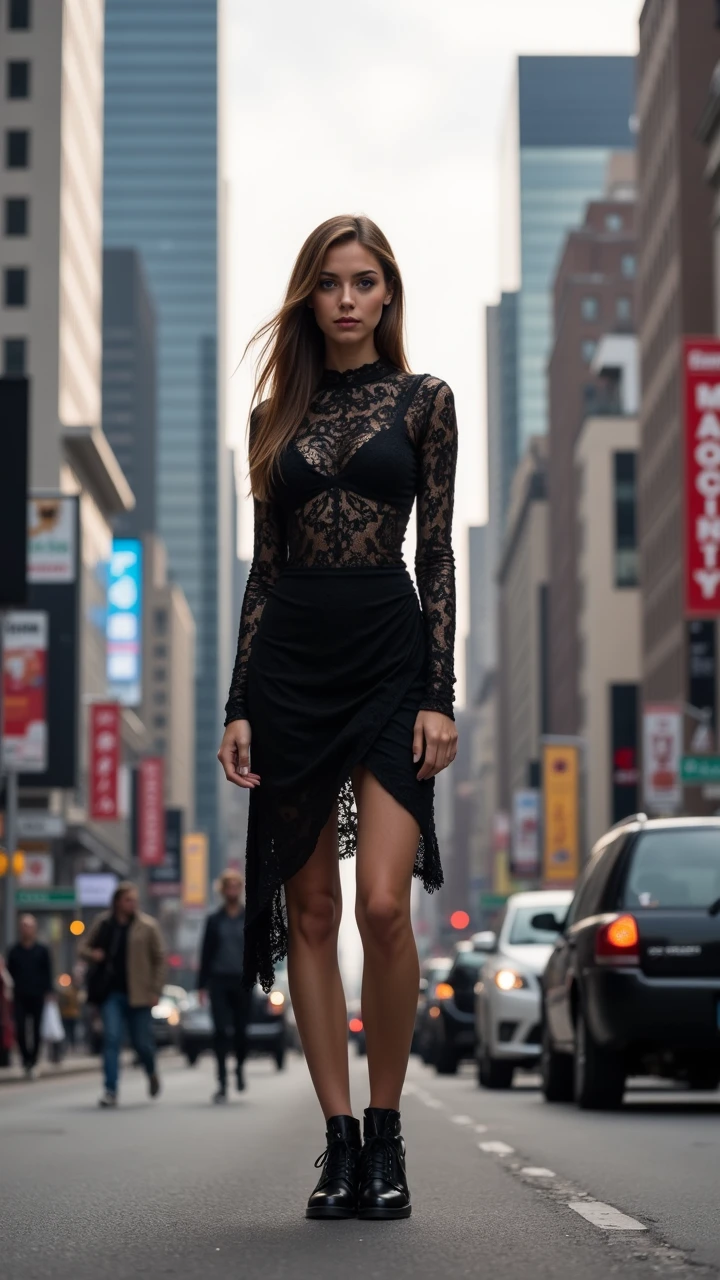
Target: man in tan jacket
[126,978]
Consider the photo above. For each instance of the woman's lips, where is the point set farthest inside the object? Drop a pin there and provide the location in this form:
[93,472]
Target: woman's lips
[346,323]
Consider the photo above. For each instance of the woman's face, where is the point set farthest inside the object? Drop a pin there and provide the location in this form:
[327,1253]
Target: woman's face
[350,295]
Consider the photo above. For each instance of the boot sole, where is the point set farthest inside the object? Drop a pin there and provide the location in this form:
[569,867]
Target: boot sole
[379,1214]
[331,1213]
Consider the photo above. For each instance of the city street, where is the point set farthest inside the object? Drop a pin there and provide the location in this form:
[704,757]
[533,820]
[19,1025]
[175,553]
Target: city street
[181,1188]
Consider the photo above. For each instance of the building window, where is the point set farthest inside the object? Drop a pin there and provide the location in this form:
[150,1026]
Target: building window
[627,265]
[18,79]
[589,308]
[160,698]
[160,746]
[623,308]
[16,221]
[15,291]
[613,222]
[17,149]
[161,621]
[160,651]
[19,15]
[625,500]
[624,749]
[159,722]
[589,347]
[160,674]
[15,357]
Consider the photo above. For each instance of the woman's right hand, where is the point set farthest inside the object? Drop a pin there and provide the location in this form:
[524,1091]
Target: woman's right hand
[234,755]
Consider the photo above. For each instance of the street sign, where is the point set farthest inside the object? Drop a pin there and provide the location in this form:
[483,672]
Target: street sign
[37,872]
[492,901]
[695,770]
[58,898]
[40,826]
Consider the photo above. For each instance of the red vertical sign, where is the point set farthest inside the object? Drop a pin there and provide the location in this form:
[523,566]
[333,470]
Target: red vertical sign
[104,761]
[151,812]
[702,476]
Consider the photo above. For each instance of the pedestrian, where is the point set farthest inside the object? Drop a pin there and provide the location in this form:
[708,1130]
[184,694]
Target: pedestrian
[30,967]
[344,680]
[221,978]
[126,981]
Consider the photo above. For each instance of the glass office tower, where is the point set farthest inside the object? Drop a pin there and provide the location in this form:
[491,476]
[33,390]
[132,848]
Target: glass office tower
[566,116]
[161,199]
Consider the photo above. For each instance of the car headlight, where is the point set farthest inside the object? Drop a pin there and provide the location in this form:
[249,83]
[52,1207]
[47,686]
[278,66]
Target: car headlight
[509,980]
[173,1017]
[276,1001]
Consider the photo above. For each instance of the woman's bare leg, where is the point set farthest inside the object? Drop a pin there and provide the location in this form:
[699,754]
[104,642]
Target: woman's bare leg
[387,844]
[314,907]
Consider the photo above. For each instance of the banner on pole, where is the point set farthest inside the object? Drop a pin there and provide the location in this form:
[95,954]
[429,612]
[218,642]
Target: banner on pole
[561,812]
[104,762]
[662,751]
[24,691]
[195,869]
[151,812]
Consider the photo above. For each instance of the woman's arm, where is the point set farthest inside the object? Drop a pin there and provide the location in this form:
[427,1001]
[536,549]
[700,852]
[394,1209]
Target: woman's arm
[434,560]
[269,557]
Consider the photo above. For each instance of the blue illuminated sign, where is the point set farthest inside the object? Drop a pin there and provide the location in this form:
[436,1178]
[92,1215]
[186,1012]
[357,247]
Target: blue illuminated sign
[124,621]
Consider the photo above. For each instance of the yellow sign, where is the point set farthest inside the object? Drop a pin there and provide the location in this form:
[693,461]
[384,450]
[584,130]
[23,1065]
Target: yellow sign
[561,806]
[195,869]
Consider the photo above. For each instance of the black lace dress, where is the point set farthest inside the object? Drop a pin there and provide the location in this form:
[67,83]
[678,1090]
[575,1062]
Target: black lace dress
[336,655]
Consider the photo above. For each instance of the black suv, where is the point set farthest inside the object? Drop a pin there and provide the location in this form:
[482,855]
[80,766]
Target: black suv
[633,984]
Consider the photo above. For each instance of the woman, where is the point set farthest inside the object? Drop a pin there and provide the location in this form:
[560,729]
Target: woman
[344,682]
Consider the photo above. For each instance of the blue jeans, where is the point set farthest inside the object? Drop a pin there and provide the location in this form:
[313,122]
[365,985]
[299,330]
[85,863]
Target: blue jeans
[116,1014]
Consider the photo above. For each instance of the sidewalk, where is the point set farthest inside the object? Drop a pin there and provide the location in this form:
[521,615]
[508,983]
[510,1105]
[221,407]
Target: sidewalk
[73,1064]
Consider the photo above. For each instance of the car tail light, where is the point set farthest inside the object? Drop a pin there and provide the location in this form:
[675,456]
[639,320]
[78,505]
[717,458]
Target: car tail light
[444,991]
[355,1025]
[618,942]
[276,1002]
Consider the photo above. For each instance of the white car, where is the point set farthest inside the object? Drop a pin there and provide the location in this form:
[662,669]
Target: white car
[508,1033]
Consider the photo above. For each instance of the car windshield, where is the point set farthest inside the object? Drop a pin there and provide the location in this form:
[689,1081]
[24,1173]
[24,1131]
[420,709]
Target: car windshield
[674,868]
[522,931]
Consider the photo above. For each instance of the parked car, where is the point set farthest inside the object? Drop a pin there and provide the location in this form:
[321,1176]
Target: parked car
[508,997]
[266,1027]
[452,1011]
[166,1015]
[633,983]
[433,970]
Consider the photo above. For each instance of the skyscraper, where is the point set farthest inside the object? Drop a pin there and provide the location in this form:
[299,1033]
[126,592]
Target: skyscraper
[161,198]
[566,115]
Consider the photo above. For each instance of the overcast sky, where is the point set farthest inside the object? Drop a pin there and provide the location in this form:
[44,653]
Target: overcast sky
[391,108]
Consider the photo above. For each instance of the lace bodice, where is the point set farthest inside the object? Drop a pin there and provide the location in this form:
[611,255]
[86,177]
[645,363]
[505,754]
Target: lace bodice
[374,440]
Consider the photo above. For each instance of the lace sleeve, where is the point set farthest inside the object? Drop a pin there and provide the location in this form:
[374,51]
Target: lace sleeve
[434,560]
[269,556]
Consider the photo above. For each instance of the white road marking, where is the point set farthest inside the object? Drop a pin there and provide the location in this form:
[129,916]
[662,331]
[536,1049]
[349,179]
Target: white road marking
[605,1216]
[532,1172]
[461,1119]
[435,1103]
[409,1089]
[481,1128]
[496,1148]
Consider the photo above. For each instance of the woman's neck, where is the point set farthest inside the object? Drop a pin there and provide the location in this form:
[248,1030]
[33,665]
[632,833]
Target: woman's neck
[340,358]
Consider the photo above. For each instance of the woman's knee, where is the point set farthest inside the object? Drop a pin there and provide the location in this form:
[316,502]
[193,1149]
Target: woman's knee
[314,918]
[382,917]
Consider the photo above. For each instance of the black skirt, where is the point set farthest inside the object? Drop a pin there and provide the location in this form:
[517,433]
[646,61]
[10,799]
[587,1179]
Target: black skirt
[336,678]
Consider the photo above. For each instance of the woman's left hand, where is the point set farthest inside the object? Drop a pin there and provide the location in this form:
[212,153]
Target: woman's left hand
[436,734]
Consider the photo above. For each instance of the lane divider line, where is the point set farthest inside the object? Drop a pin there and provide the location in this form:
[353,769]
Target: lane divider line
[532,1172]
[496,1148]
[461,1119]
[605,1216]
[481,1128]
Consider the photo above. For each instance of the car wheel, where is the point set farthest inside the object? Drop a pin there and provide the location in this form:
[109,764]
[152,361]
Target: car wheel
[599,1073]
[556,1070]
[446,1063]
[191,1059]
[280,1058]
[495,1074]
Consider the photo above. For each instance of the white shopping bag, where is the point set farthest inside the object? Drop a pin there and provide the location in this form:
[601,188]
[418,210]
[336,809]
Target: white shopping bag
[51,1027]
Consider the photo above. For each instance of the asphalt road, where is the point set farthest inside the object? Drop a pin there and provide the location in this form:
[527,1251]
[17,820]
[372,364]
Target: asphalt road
[182,1189]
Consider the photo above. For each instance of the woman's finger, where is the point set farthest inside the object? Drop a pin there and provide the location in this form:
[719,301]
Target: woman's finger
[418,743]
[428,767]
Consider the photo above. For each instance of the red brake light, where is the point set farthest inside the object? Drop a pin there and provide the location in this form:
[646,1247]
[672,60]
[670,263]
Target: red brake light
[618,942]
[355,1025]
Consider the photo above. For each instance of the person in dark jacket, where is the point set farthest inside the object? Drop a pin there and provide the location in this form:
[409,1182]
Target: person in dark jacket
[30,968]
[221,972]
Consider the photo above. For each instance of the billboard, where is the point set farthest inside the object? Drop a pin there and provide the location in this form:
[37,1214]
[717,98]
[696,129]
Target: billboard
[24,691]
[52,572]
[526,833]
[165,880]
[124,622]
[195,869]
[662,751]
[151,812]
[561,812]
[104,762]
[702,476]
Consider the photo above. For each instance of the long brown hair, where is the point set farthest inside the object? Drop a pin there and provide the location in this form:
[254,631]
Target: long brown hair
[292,357]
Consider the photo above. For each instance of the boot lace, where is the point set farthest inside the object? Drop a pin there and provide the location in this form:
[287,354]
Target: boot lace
[336,1161]
[380,1159]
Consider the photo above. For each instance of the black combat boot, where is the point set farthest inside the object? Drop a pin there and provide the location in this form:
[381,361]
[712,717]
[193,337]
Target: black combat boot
[335,1195]
[383,1189]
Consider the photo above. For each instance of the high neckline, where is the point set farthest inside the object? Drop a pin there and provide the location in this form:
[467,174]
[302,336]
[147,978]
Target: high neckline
[374,371]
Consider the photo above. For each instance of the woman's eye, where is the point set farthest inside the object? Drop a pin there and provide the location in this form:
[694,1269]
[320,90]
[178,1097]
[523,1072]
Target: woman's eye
[366,284]
[326,285]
